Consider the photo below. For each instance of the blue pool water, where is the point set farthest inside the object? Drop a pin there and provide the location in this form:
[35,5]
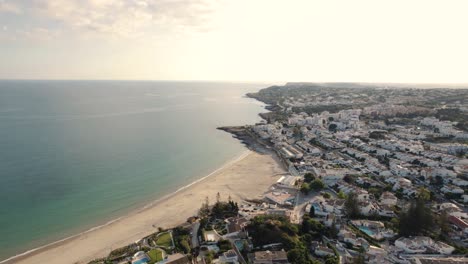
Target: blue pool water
[317,207]
[366,230]
[140,261]
[239,244]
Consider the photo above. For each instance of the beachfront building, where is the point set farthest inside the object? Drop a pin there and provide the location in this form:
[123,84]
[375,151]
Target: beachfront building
[289,182]
[235,225]
[281,198]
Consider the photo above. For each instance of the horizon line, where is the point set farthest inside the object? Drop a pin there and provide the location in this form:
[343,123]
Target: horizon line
[239,81]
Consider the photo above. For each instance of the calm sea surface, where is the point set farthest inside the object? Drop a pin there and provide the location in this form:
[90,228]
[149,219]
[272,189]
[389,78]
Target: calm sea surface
[76,154]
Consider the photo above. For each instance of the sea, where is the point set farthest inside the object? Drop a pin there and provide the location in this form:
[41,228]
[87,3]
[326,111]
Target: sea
[77,154]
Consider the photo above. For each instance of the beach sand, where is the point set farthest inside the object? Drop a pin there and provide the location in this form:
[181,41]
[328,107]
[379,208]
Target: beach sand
[248,177]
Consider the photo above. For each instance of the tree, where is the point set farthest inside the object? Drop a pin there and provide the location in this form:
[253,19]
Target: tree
[341,195]
[332,260]
[443,223]
[332,127]
[305,188]
[438,180]
[312,211]
[308,177]
[312,226]
[417,219]
[424,194]
[209,257]
[352,205]
[326,196]
[359,259]
[184,244]
[317,185]
[349,179]
[376,192]
[205,208]
[298,255]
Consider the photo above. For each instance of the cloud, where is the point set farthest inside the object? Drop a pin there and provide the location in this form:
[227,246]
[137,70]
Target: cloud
[9,7]
[127,18]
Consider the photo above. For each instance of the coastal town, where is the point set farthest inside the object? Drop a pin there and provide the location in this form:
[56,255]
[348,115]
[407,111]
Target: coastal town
[375,174]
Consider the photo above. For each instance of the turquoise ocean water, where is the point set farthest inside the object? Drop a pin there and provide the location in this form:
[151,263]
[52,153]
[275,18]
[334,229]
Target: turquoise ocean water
[76,154]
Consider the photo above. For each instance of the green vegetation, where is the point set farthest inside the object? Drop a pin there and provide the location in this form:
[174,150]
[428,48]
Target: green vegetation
[341,195]
[351,206]
[309,177]
[267,229]
[317,185]
[123,251]
[350,178]
[377,192]
[305,188]
[181,239]
[300,256]
[293,238]
[377,135]
[209,257]
[316,229]
[164,240]
[424,194]
[332,260]
[156,255]
[220,209]
[417,219]
[224,245]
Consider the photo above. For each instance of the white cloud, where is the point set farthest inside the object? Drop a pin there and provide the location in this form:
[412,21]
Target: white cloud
[127,18]
[9,7]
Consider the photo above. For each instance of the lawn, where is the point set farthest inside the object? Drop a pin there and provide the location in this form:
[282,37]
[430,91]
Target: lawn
[164,240]
[156,255]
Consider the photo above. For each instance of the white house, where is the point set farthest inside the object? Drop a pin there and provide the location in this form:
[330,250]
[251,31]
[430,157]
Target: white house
[421,244]
[388,198]
[229,256]
[449,188]
[323,251]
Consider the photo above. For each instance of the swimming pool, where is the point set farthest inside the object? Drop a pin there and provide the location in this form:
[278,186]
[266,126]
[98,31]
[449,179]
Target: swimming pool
[317,207]
[239,244]
[366,230]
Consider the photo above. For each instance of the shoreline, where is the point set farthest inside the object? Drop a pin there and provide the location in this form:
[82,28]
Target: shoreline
[127,214]
[47,252]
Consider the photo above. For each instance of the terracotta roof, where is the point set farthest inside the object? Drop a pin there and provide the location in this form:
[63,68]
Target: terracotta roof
[457,221]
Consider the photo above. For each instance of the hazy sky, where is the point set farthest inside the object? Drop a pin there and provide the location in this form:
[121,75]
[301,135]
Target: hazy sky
[240,40]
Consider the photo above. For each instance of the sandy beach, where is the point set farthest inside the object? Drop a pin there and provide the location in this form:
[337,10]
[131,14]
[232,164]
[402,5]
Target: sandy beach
[248,177]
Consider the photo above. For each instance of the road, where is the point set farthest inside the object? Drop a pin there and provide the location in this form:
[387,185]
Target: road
[195,227]
[239,255]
